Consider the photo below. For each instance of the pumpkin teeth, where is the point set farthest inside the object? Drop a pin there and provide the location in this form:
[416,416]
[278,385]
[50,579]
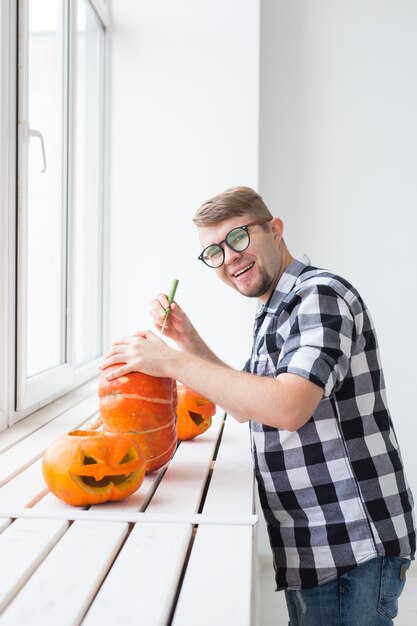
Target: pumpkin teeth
[105,480]
[89,485]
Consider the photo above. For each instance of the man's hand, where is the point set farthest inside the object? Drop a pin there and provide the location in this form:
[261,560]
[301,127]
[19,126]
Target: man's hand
[143,352]
[177,326]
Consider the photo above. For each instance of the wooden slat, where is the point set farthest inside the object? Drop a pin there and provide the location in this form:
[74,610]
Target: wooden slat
[4,523]
[61,589]
[22,547]
[232,482]
[146,571]
[25,452]
[217,585]
[53,504]
[135,517]
[25,489]
[142,583]
[183,483]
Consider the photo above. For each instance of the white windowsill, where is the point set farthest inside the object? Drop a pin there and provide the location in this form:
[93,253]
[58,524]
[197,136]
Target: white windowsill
[46,414]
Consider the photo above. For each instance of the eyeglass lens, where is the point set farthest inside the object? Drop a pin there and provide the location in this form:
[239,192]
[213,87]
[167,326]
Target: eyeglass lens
[237,239]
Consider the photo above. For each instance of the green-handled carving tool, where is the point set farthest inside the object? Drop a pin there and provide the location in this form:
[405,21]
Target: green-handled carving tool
[171,297]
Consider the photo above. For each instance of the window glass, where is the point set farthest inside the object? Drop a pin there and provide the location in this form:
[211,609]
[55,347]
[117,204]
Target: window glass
[45,188]
[60,155]
[88,184]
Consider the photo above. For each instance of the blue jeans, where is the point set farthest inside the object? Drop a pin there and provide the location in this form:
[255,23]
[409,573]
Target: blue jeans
[364,596]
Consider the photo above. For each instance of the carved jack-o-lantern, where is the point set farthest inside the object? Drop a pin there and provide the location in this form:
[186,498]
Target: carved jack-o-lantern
[87,467]
[145,407]
[194,413]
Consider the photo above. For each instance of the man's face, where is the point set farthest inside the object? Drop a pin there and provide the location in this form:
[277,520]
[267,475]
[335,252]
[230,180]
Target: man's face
[254,272]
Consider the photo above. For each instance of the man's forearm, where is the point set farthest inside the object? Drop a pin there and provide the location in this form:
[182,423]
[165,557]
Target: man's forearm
[196,346]
[285,402]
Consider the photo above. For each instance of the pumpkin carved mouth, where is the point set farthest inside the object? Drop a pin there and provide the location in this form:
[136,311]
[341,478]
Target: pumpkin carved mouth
[90,481]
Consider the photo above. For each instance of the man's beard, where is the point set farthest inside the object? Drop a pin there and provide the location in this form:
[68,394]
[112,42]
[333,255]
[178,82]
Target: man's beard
[263,285]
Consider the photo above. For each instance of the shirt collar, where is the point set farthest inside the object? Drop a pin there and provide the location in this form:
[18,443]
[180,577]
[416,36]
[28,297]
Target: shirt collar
[285,284]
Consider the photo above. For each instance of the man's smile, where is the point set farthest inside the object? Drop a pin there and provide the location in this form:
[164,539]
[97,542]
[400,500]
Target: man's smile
[243,270]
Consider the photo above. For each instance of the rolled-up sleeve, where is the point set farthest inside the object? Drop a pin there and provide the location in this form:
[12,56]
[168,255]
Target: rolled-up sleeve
[318,345]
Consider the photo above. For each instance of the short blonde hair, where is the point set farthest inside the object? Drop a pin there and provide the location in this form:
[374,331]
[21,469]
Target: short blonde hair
[232,202]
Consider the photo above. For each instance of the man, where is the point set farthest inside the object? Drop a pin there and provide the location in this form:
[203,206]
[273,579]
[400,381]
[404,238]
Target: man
[329,471]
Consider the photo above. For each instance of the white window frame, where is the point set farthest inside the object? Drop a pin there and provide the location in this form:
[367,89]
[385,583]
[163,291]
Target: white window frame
[8,71]
[18,401]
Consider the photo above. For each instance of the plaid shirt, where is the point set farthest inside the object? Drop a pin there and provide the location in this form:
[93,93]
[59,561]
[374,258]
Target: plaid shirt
[334,493]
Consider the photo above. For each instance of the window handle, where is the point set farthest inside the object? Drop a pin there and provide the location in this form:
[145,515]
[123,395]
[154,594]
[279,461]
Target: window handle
[36,133]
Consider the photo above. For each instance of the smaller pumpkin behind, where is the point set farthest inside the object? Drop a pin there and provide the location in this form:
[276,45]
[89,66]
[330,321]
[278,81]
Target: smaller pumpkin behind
[86,467]
[194,413]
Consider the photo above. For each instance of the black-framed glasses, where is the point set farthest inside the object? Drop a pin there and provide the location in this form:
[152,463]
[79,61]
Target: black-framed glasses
[237,239]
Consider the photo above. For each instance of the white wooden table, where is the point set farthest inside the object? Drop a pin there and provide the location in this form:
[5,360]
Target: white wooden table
[181,550]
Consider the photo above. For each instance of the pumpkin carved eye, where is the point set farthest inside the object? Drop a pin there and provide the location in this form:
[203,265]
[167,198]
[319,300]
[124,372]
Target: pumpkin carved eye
[88,460]
[196,417]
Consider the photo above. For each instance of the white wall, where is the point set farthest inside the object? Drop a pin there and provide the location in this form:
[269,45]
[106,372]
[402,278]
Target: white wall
[338,156]
[184,126]
[338,144]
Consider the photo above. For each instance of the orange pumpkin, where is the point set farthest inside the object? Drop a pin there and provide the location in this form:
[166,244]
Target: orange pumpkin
[145,407]
[87,467]
[194,413]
